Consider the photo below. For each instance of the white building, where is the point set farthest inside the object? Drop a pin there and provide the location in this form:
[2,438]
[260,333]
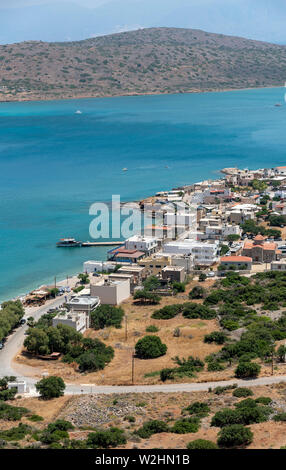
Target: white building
[231,230]
[98,266]
[185,261]
[83,303]
[146,244]
[278,265]
[20,385]
[181,218]
[221,232]
[280,170]
[111,292]
[78,321]
[204,254]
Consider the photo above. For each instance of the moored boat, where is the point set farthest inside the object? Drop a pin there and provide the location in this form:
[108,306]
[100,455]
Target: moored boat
[68,242]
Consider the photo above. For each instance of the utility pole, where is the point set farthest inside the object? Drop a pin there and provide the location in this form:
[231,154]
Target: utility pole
[272,358]
[125,328]
[133,366]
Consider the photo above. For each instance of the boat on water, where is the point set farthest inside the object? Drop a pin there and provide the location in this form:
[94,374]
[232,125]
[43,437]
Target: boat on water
[124,169]
[278,105]
[78,112]
[68,242]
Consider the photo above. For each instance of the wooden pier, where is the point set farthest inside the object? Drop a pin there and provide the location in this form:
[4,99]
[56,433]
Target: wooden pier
[87,244]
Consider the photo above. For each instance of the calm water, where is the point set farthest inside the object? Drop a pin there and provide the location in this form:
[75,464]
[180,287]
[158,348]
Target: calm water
[55,163]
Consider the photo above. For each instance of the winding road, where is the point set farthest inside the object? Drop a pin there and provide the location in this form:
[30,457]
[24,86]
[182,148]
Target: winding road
[15,341]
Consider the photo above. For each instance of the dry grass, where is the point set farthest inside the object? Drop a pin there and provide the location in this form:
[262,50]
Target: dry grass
[88,410]
[139,318]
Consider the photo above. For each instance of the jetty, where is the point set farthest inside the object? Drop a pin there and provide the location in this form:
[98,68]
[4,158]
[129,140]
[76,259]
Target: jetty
[72,242]
[86,244]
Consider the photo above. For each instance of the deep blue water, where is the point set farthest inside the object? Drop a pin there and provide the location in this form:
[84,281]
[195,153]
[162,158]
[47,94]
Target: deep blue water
[55,163]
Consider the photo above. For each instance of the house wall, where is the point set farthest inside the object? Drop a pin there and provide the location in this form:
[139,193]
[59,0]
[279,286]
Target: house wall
[112,294]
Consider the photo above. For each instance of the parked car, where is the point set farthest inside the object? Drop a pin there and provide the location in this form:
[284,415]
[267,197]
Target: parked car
[1,345]
[210,274]
[23,321]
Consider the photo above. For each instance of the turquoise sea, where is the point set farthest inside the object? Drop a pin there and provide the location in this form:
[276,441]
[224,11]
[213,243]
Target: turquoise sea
[54,163]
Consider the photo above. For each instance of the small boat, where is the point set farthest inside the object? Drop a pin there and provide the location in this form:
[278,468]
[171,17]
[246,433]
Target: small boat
[68,242]
[124,169]
[278,105]
[166,166]
[78,112]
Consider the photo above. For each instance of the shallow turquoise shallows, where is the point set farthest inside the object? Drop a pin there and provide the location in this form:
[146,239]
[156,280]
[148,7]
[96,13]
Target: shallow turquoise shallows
[54,163]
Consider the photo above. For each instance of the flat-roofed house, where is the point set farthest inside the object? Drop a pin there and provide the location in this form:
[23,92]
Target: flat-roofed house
[139,243]
[280,170]
[83,303]
[77,320]
[154,265]
[174,273]
[278,265]
[110,291]
[203,254]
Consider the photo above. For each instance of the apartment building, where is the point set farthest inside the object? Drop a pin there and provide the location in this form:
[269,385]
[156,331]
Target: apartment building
[203,254]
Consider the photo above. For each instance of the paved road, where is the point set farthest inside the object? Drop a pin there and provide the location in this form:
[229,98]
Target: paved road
[15,342]
[170,388]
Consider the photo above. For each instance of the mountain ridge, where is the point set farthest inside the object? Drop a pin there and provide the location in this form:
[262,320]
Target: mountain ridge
[144,61]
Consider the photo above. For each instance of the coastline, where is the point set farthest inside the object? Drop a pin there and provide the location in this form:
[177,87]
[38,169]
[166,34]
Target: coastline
[48,279]
[126,95]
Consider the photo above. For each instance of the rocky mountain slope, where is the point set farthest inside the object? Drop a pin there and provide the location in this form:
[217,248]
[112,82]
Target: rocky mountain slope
[146,61]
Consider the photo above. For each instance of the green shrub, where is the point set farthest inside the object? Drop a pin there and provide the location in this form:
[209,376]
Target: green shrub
[147,297]
[152,427]
[193,310]
[6,395]
[50,387]
[264,400]
[217,337]
[130,419]
[167,374]
[11,313]
[199,409]
[214,366]
[235,435]
[12,413]
[197,292]
[186,425]
[178,287]
[246,370]
[56,432]
[201,444]
[94,355]
[220,390]
[35,418]
[150,347]
[167,312]
[225,417]
[152,329]
[280,417]
[15,434]
[106,315]
[242,392]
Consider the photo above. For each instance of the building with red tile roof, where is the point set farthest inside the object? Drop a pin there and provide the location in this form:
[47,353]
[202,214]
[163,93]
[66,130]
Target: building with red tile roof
[237,261]
[261,251]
